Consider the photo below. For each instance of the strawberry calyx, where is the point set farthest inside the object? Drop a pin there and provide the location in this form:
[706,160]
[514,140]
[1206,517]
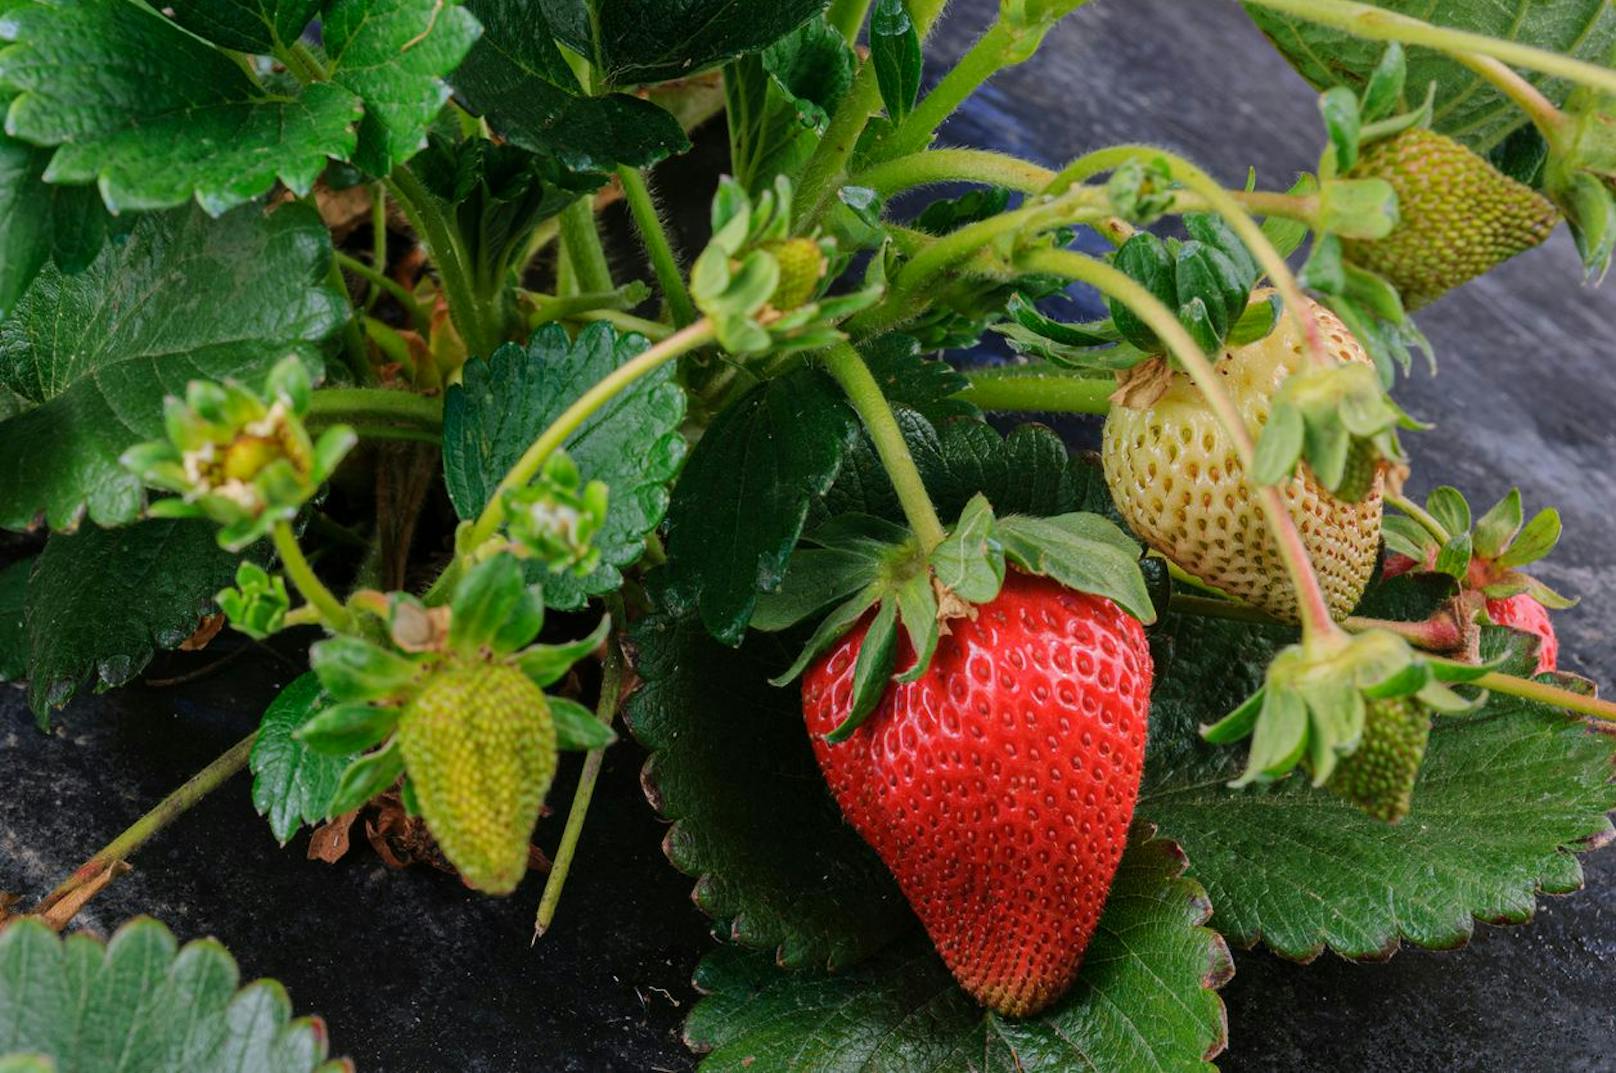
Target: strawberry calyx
[1485,558]
[1313,708]
[866,568]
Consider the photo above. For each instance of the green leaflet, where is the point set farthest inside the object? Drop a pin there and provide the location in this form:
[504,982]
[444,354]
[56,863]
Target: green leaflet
[143,1004]
[1145,999]
[632,444]
[96,353]
[779,101]
[153,137]
[258,26]
[292,782]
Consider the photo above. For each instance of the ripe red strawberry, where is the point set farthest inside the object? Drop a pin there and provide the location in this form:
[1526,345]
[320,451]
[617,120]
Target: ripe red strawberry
[999,786]
[1523,612]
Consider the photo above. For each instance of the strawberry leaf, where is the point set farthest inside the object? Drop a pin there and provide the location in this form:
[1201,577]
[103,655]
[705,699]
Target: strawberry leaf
[1467,106]
[733,770]
[779,101]
[41,221]
[100,602]
[13,628]
[293,782]
[255,26]
[155,135]
[635,41]
[143,1004]
[95,353]
[632,443]
[744,498]
[1145,999]
[393,54]
[895,51]
[516,77]
[1505,799]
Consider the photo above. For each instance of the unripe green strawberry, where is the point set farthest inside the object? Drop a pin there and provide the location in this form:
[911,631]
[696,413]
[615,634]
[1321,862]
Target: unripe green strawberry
[480,748]
[1460,216]
[1177,480]
[1379,777]
[802,266]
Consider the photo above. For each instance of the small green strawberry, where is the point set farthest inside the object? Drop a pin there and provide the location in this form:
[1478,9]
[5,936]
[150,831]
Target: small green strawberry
[1460,216]
[480,748]
[802,265]
[1379,777]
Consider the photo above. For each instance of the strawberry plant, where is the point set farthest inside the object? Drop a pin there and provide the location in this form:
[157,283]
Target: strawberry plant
[310,341]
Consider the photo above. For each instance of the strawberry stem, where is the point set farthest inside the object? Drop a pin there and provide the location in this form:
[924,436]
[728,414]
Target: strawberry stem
[847,368]
[580,238]
[334,616]
[1224,204]
[658,246]
[1039,389]
[449,256]
[1543,693]
[847,17]
[142,830]
[1424,517]
[1378,24]
[611,694]
[380,281]
[1314,608]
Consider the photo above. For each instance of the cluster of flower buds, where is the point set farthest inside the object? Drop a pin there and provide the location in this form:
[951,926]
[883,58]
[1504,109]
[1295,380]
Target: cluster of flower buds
[555,518]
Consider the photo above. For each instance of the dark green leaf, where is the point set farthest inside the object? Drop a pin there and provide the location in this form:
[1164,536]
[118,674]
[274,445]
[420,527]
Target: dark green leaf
[924,383]
[779,101]
[157,135]
[102,601]
[393,54]
[895,51]
[254,26]
[1505,799]
[635,41]
[40,220]
[96,353]
[13,624]
[516,77]
[731,766]
[1467,106]
[744,497]
[1144,1000]
[632,443]
[143,1004]
[293,782]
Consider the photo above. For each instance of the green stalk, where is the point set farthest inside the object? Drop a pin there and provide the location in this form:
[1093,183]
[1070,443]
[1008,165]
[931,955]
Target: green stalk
[932,166]
[353,339]
[332,613]
[611,694]
[847,17]
[1317,624]
[144,829]
[527,467]
[381,282]
[448,252]
[1038,389]
[1224,204]
[349,405]
[581,239]
[1378,24]
[378,242]
[1426,520]
[658,247]
[847,368]
[1544,693]
[653,330]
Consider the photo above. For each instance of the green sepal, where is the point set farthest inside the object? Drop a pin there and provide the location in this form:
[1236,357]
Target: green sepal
[816,578]
[1344,123]
[577,728]
[1141,192]
[345,729]
[1205,272]
[1146,260]
[258,603]
[1026,314]
[830,631]
[1454,558]
[546,664]
[1278,739]
[371,774]
[895,52]
[917,610]
[1535,540]
[1496,530]
[872,670]
[1085,553]
[1238,724]
[1285,234]
[1214,231]
[1256,323]
[494,609]
[970,562]
[1357,208]
[1279,447]
[1348,422]
[353,669]
[1448,506]
[1407,537]
[408,797]
[1384,91]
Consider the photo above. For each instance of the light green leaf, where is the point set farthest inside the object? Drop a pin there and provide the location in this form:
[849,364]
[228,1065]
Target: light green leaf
[1084,552]
[292,783]
[970,562]
[101,602]
[733,770]
[1506,798]
[394,54]
[1467,107]
[632,443]
[154,135]
[96,353]
[143,1004]
[1144,1000]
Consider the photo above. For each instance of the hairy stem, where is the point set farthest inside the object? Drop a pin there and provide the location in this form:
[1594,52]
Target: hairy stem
[380,281]
[847,368]
[375,406]
[1314,608]
[448,252]
[1001,46]
[933,166]
[1378,24]
[1543,693]
[1038,389]
[1224,204]
[653,330]
[847,17]
[581,238]
[1527,97]
[1424,517]
[658,247]
[611,694]
[142,830]
[332,613]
